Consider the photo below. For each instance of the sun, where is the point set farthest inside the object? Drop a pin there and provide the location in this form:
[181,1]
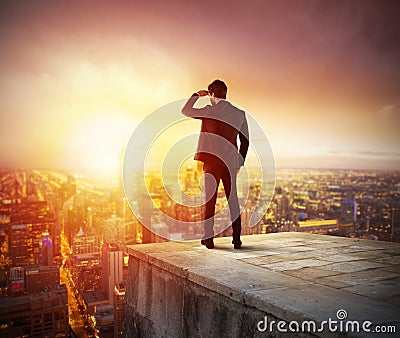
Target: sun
[96,143]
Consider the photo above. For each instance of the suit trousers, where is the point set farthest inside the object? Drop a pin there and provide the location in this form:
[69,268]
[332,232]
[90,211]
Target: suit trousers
[218,171]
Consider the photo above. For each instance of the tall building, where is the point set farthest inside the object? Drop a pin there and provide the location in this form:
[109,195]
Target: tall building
[348,212]
[18,238]
[104,321]
[89,213]
[85,248]
[17,280]
[85,261]
[120,199]
[395,224]
[56,237]
[46,256]
[112,261]
[119,296]
[114,230]
[28,222]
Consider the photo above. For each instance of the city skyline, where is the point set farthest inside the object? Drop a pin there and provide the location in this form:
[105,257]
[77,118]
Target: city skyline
[65,239]
[321,79]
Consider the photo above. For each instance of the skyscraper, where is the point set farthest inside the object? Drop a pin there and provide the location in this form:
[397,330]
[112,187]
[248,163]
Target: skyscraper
[46,257]
[114,230]
[18,237]
[111,269]
[85,260]
[17,280]
[119,296]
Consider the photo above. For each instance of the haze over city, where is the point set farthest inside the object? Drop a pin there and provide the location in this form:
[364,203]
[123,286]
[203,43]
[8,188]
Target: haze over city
[321,78]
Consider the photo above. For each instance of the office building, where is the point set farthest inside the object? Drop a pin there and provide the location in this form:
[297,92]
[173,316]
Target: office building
[39,315]
[16,281]
[41,278]
[85,249]
[104,321]
[92,300]
[112,261]
[46,251]
[18,238]
[119,296]
[114,230]
[85,261]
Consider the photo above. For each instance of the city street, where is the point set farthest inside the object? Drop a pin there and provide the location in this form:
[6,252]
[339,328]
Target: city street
[75,319]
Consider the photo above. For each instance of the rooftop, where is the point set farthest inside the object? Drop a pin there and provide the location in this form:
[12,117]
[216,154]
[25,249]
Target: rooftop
[37,301]
[94,297]
[293,276]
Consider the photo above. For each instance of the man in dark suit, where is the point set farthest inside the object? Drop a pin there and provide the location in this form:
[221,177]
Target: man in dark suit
[221,125]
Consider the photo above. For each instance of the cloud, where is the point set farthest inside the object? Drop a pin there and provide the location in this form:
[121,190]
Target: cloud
[377,154]
[366,154]
[385,112]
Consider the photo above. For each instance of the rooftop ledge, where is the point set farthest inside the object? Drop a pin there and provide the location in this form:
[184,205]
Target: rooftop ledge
[182,289]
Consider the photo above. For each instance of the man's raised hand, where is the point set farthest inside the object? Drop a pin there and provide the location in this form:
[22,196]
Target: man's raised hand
[203,92]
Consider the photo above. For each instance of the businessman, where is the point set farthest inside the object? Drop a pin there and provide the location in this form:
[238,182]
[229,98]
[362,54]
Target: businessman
[221,125]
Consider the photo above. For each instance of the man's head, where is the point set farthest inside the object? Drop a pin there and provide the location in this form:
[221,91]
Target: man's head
[217,89]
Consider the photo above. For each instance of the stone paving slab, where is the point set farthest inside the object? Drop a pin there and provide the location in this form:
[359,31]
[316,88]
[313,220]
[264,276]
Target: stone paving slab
[296,264]
[394,260]
[292,275]
[311,273]
[383,289]
[395,300]
[329,282]
[347,267]
[326,246]
[264,260]
[341,258]
[392,268]
[340,250]
[369,254]
[295,248]
[364,277]
[278,257]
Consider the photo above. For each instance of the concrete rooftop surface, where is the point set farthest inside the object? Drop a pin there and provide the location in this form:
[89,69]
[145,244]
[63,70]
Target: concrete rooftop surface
[290,276]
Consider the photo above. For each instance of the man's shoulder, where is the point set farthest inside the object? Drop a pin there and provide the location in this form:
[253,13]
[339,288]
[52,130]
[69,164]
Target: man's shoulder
[227,105]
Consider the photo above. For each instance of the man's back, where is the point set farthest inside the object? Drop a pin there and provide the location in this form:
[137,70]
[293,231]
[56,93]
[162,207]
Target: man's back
[221,124]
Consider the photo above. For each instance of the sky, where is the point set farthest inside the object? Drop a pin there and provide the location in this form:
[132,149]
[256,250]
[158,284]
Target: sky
[321,78]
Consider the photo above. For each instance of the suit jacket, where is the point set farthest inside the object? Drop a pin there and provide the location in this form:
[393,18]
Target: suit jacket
[220,127]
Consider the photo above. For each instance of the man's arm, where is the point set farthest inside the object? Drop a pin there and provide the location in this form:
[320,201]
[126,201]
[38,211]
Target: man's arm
[244,141]
[196,113]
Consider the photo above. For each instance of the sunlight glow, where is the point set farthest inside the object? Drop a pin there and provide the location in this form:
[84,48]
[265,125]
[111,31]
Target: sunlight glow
[101,140]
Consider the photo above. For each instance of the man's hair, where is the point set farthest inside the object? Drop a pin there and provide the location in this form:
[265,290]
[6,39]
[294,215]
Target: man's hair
[218,88]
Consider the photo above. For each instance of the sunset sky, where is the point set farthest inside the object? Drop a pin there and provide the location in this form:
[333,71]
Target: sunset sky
[321,77]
